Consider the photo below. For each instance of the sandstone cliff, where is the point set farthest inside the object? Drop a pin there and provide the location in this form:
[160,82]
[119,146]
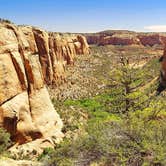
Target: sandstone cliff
[126,38]
[31,59]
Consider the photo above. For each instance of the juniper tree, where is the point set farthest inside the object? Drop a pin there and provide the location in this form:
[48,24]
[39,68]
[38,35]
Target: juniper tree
[127,83]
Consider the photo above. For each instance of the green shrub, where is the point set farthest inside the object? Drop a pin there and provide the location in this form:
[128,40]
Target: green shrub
[136,140]
[5,21]
[98,107]
[5,141]
[59,157]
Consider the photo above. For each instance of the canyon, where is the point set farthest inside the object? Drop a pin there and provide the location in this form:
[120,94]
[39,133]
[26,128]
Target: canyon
[33,61]
[82,83]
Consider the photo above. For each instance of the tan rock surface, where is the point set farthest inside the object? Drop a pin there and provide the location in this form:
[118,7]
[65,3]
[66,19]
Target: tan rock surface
[11,162]
[30,59]
[43,113]
[9,82]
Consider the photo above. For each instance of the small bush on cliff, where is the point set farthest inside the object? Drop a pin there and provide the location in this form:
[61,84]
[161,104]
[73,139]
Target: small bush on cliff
[5,21]
[5,141]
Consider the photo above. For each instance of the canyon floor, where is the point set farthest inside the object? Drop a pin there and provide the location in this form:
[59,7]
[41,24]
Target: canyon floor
[90,73]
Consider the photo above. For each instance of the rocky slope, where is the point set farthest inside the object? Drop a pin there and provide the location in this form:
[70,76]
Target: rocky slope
[126,38]
[31,59]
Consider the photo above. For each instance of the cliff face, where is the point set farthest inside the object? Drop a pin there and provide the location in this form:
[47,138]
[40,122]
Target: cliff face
[30,59]
[162,80]
[150,40]
[126,38]
[118,41]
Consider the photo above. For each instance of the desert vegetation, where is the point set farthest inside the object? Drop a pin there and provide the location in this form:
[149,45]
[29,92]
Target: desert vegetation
[124,124]
[2,20]
[5,142]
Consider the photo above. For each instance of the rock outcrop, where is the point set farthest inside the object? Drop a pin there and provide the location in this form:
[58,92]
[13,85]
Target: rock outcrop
[162,80]
[31,59]
[126,38]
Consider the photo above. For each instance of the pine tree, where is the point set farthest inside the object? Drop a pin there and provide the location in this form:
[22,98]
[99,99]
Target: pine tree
[127,81]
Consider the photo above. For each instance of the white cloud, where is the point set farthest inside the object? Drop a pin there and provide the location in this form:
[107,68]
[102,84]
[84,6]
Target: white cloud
[156,28]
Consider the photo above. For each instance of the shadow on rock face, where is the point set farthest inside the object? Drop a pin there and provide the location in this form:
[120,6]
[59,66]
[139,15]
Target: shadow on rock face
[160,88]
[162,83]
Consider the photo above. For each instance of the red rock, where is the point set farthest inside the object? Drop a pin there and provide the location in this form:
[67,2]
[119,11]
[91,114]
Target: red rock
[126,38]
[150,40]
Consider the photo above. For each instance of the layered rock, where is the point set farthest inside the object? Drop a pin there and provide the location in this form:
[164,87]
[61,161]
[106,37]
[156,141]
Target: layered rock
[118,41]
[126,38]
[31,59]
[150,40]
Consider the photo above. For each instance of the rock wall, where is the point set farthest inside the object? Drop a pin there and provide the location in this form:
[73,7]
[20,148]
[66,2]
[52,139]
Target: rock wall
[162,80]
[30,59]
[118,41]
[126,38]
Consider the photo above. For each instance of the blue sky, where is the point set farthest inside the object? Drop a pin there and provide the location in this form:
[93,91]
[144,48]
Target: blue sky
[87,15]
